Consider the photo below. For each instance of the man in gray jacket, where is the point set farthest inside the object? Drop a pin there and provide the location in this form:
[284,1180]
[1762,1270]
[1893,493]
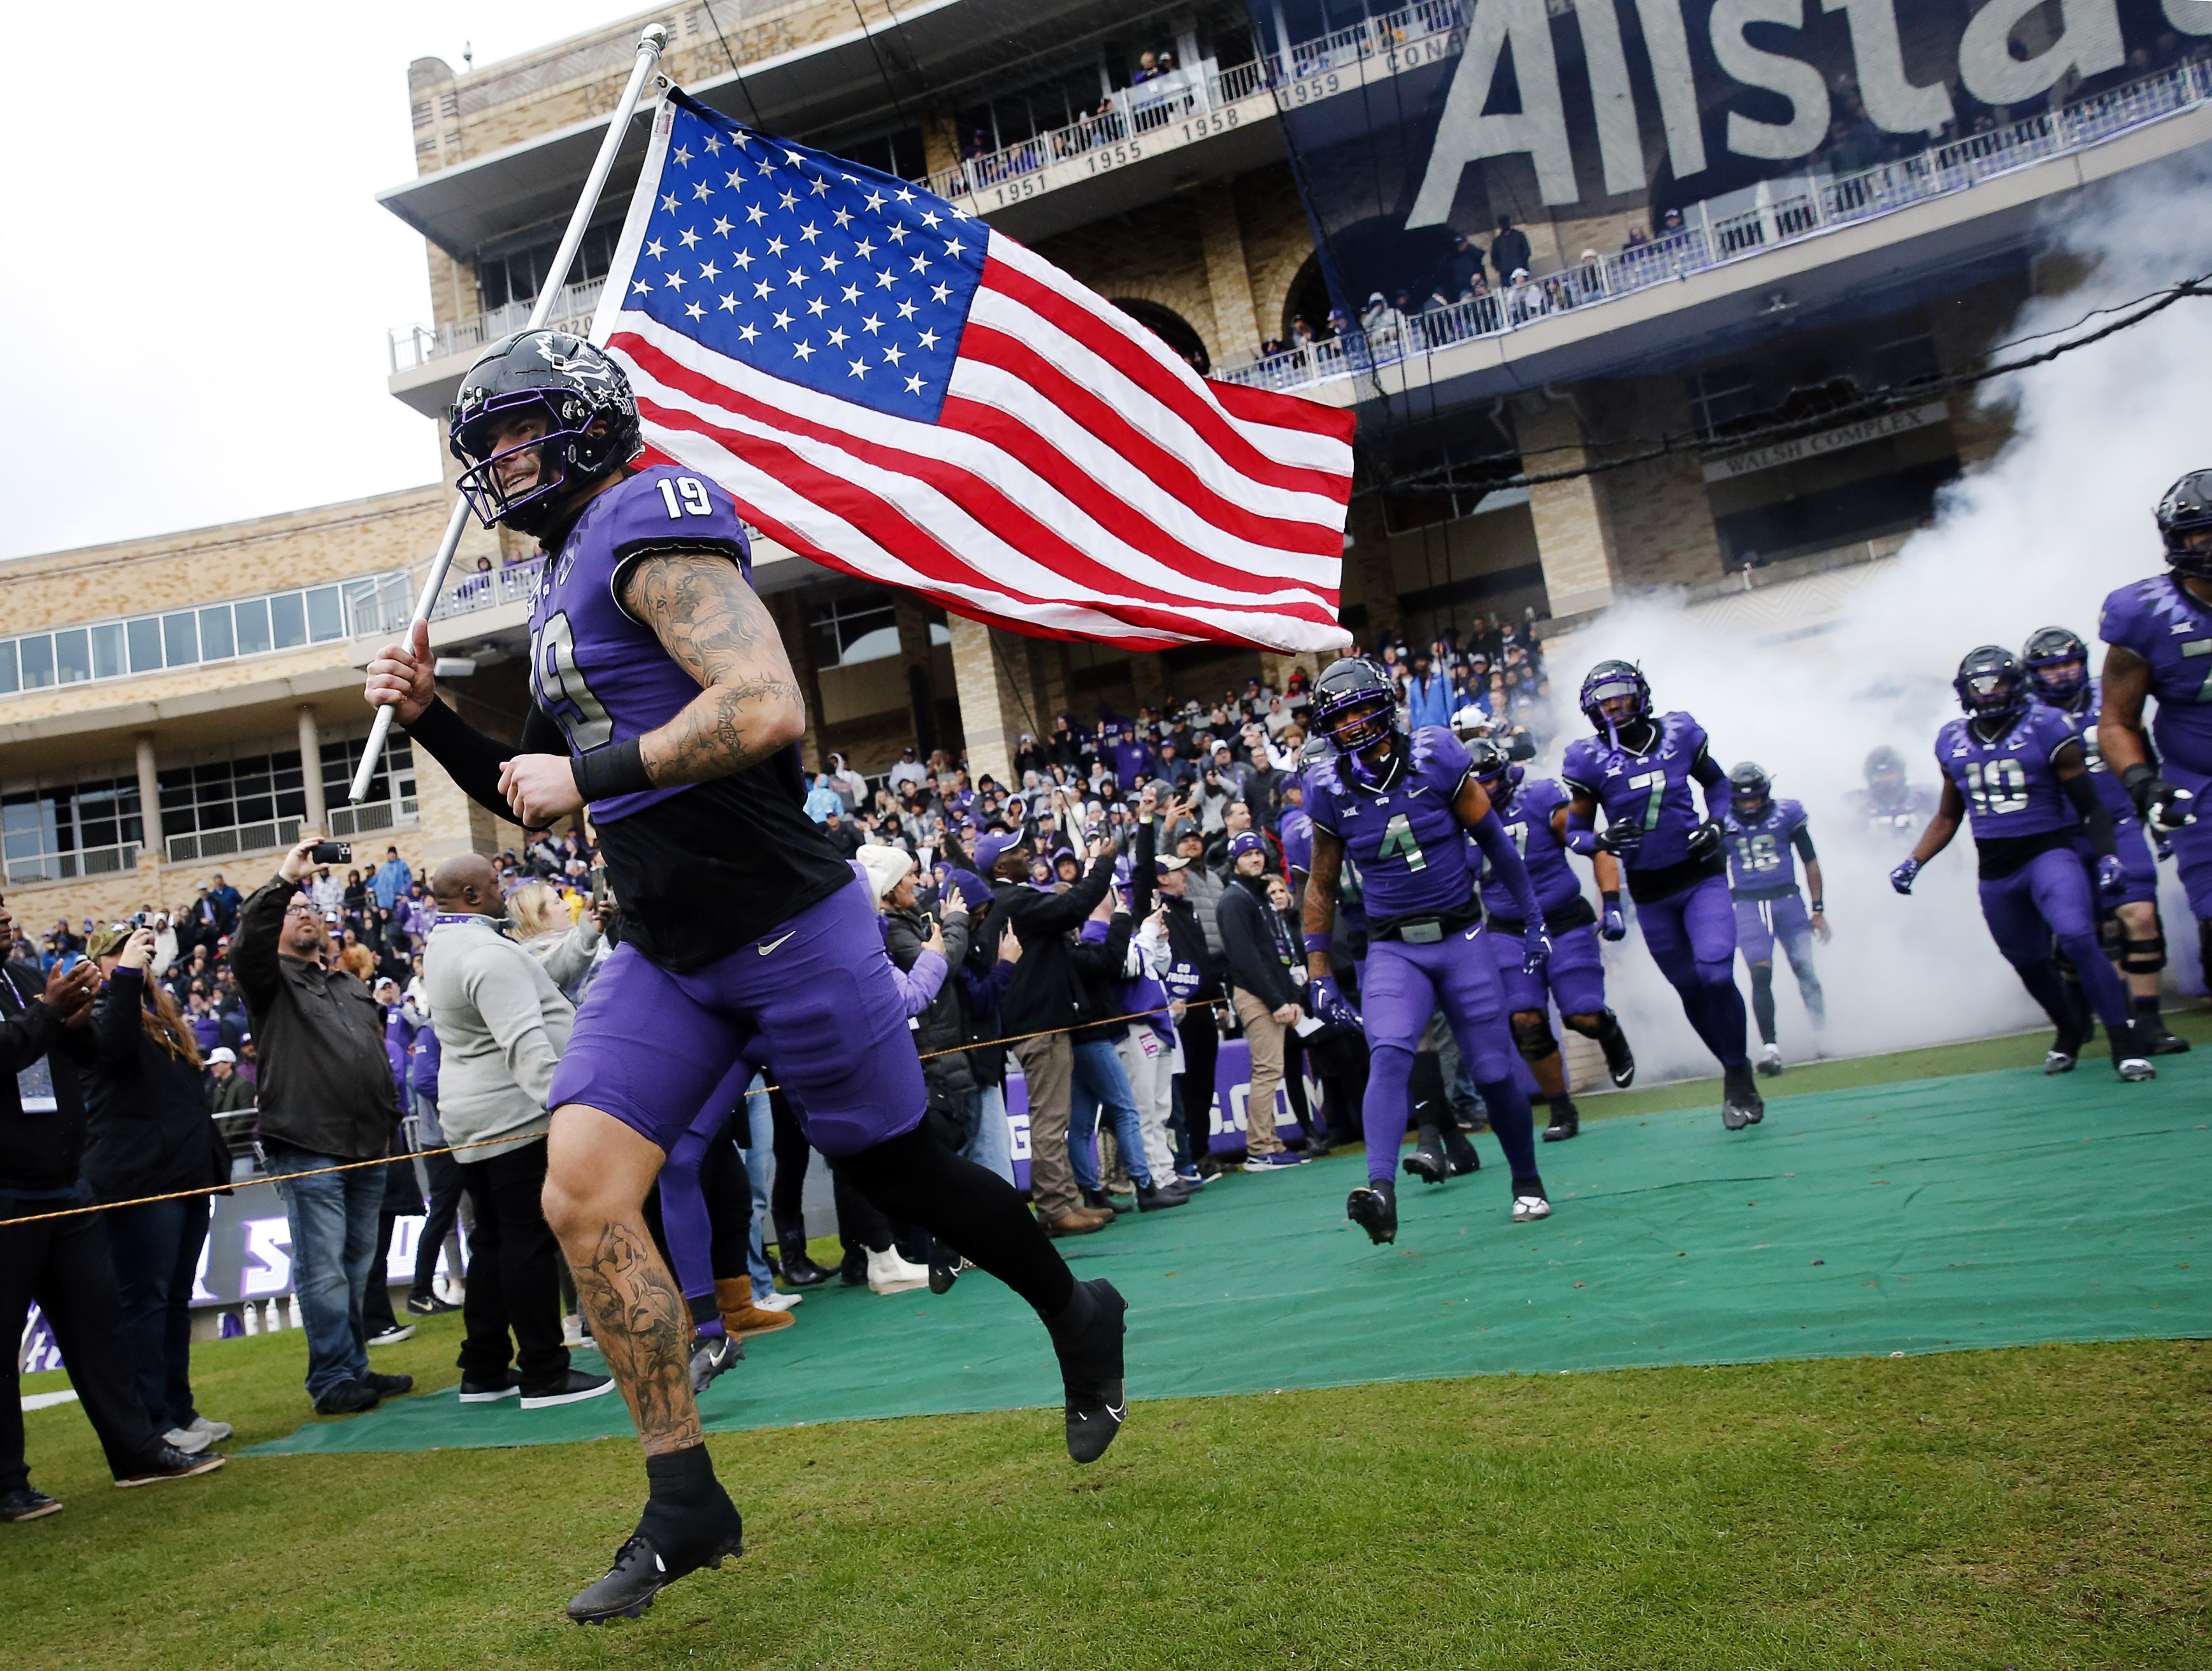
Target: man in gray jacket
[503,1025]
[326,1098]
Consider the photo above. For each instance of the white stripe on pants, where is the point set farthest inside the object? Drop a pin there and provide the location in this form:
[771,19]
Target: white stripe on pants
[1152,1083]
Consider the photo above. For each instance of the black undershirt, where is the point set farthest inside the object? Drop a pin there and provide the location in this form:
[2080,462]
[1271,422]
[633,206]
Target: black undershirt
[698,874]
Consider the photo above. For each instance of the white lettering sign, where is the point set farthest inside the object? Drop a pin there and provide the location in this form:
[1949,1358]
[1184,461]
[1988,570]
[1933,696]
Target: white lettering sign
[1828,441]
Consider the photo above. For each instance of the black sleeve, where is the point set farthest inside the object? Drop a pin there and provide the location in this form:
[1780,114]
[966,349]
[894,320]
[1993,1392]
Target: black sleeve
[1058,912]
[473,760]
[1142,872]
[1802,839]
[2081,790]
[25,1037]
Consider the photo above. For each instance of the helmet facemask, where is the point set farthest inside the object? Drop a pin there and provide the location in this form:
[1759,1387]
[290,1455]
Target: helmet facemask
[568,422]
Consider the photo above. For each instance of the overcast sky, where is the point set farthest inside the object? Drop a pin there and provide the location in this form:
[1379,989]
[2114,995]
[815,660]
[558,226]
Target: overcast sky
[200,278]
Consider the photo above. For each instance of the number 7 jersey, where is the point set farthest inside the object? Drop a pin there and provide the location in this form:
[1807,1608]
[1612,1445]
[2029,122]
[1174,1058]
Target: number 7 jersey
[2007,784]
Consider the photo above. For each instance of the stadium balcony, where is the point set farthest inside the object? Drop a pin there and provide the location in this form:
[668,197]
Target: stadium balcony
[1772,256]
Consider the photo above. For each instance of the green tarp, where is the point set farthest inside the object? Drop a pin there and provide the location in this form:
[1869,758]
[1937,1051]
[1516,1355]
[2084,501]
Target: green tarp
[1988,1210]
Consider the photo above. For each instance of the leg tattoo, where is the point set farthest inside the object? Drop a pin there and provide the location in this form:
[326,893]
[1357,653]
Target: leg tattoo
[643,1328]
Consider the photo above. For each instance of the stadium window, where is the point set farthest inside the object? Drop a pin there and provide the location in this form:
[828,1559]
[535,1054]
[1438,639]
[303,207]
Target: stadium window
[326,614]
[107,661]
[252,618]
[861,627]
[180,639]
[517,275]
[9,673]
[288,621]
[38,661]
[72,656]
[216,641]
[899,153]
[145,640]
[71,830]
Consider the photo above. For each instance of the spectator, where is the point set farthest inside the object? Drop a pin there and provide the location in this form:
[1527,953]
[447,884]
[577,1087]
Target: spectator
[1428,694]
[147,1133]
[822,799]
[569,950]
[1045,995]
[226,900]
[229,1092]
[503,1025]
[1509,249]
[1263,964]
[326,1098]
[843,835]
[392,878]
[354,958]
[63,1265]
[441,1178]
[848,783]
[942,1025]
[907,773]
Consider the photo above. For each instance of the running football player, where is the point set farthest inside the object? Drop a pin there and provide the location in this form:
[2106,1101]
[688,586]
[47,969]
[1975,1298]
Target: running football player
[1640,767]
[661,700]
[2016,768]
[1400,806]
[2160,634]
[1573,976]
[2057,664]
[1765,838]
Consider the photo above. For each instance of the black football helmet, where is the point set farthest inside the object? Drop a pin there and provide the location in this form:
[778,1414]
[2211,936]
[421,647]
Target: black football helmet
[1883,761]
[1495,769]
[1990,682]
[2186,511]
[1751,788]
[1607,680]
[2047,656]
[1354,705]
[569,383]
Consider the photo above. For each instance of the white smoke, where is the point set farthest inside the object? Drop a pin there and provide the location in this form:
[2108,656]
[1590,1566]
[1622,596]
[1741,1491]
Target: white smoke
[2037,538]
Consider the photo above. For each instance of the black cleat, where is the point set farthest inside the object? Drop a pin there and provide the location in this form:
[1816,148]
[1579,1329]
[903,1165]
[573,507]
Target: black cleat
[1566,1122]
[944,1270]
[1459,1153]
[1374,1208]
[1620,1060]
[1741,1103]
[711,1357]
[2152,1038]
[1091,1372]
[2128,1055]
[1427,1162]
[668,1544]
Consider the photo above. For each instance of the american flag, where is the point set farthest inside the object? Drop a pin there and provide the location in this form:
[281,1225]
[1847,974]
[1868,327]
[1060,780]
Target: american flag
[892,388]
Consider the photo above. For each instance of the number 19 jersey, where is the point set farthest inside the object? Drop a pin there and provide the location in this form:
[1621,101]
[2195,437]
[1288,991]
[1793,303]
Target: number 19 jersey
[2008,783]
[699,869]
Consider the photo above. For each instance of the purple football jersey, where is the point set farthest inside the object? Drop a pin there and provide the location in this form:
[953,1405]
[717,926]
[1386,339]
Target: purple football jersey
[1406,839]
[1527,819]
[2008,785]
[2159,621]
[1296,830]
[1760,855]
[602,674]
[1655,790]
[2083,718]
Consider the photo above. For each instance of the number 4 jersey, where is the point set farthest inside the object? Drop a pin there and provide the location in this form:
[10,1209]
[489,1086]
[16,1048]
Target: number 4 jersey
[699,869]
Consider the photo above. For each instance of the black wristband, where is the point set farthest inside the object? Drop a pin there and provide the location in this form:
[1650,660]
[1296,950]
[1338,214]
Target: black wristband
[1612,898]
[612,769]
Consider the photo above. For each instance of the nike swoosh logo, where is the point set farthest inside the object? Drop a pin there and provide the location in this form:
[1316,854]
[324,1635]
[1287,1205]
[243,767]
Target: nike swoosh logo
[1473,931]
[767,947]
[1119,1411]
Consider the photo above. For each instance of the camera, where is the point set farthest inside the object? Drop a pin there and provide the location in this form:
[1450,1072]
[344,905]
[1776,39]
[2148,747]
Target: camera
[331,853]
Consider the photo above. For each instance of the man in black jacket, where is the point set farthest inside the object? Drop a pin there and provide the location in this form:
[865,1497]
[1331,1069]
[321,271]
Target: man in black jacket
[62,1264]
[326,1098]
[1262,957]
[1047,994]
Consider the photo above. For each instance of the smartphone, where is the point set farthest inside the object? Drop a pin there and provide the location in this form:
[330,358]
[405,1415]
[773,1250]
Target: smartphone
[331,853]
[598,884]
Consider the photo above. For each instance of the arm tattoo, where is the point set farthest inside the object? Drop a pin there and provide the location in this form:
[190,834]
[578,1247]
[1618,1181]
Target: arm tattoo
[712,622]
[643,1328]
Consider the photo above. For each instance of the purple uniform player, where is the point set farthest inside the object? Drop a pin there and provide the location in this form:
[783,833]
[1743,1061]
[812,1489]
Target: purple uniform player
[2160,632]
[1765,838]
[663,700]
[2057,664]
[1574,975]
[1401,806]
[1641,767]
[2016,768]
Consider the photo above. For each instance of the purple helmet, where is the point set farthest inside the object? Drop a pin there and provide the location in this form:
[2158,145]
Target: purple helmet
[2185,510]
[1990,682]
[1607,680]
[569,384]
[1495,770]
[2048,650]
[1354,705]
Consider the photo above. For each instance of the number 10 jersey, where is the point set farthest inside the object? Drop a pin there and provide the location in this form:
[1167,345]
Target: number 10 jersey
[2007,784]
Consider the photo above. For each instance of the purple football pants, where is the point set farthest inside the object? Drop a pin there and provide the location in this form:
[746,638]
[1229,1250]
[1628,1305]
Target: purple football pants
[813,1003]
[1402,987]
[683,1213]
[1574,978]
[2192,844]
[1691,934]
[2048,898]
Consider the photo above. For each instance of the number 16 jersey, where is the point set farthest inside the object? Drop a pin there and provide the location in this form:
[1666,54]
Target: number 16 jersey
[699,869]
[2007,784]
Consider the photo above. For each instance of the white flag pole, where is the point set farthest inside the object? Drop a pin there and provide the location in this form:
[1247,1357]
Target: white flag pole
[649,46]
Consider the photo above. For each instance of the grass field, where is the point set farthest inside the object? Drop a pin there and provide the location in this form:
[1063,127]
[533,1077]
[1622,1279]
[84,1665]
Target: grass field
[2033,1507]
